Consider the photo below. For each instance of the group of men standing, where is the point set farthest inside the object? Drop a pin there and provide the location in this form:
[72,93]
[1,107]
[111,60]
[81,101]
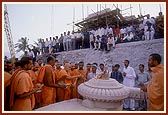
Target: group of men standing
[152,83]
[32,86]
[66,42]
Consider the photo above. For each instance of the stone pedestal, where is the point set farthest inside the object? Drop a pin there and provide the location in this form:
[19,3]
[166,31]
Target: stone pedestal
[106,94]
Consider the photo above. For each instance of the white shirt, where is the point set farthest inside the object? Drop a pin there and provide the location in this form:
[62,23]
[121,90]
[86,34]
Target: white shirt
[40,45]
[152,21]
[46,43]
[129,37]
[99,71]
[78,35]
[129,79]
[51,43]
[151,28]
[130,73]
[129,28]
[65,39]
[111,40]
[141,26]
[62,67]
[92,31]
[99,32]
[110,31]
[72,36]
[31,54]
[68,38]
[123,31]
[149,20]
[102,32]
[54,42]
[96,33]
[91,38]
[106,31]
[91,75]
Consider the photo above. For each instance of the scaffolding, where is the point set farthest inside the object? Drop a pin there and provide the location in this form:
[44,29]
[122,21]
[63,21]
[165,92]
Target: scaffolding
[9,34]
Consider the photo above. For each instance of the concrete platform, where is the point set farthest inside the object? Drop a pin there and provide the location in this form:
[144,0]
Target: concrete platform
[69,105]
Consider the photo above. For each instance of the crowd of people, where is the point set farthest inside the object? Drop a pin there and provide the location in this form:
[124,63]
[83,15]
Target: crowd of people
[29,85]
[104,37]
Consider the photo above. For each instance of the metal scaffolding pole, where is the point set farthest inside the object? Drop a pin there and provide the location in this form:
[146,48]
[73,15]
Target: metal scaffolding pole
[73,17]
[9,34]
[140,10]
[131,13]
[82,12]
[117,18]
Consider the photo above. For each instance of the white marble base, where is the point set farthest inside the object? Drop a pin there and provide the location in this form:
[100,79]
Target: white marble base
[71,105]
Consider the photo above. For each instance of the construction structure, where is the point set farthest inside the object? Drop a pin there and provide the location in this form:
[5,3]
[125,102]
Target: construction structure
[108,17]
[9,34]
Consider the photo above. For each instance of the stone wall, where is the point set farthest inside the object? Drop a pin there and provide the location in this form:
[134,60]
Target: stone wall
[135,52]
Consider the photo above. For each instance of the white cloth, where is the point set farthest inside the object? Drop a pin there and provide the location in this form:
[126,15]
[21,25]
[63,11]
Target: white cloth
[50,43]
[123,31]
[102,32]
[68,38]
[96,33]
[99,71]
[78,35]
[110,31]
[64,39]
[97,43]
[149,35]
[73,36]
[129,28]
[141,26]
[129,37]
[151,20]
[46,43]
[54,42]
[129,81]
[40,45]
[31,54]
[106,31]
[92,31]
[99,32]
[91,38]
[91,75]
[111,41]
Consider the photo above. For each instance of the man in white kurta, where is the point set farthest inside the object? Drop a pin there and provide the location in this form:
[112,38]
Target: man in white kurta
[129,81]
[149,32]
[64,41]
[50,44]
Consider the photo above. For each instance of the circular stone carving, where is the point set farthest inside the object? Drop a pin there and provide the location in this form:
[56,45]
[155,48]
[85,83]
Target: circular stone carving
[103,90]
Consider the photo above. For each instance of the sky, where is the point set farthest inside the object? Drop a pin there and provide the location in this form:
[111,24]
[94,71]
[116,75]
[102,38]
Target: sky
[44,20]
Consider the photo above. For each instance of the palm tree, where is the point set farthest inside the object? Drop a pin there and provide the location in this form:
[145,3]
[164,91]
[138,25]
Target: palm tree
[5,58]
[22,44]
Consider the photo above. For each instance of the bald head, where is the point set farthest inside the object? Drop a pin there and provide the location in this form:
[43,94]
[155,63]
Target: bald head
[67,66]
[72,66]
[58,65]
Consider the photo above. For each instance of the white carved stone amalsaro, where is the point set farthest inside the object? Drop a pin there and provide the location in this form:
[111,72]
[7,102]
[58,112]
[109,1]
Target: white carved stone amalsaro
[106,93]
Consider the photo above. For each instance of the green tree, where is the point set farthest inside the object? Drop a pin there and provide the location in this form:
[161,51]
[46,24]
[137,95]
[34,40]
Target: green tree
[22,44]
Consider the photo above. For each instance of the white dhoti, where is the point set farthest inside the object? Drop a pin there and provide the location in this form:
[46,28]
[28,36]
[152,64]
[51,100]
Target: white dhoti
[129,103]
